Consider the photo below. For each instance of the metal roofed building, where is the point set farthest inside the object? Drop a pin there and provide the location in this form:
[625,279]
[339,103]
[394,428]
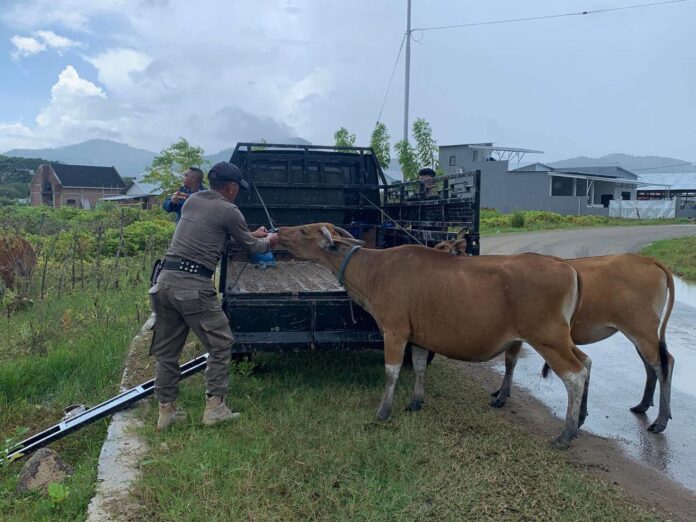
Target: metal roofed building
[681,186]
[570,191]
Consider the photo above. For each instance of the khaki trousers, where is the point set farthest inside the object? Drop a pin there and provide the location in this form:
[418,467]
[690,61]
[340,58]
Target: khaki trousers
[180,309]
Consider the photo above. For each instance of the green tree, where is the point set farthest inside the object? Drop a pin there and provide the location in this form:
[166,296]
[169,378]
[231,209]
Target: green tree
[379,141]
[407,160]
[426,146]
[343,138]
[168,166]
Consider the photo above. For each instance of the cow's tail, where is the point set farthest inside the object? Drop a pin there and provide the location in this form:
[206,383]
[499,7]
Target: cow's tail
[578,303]
[664,354]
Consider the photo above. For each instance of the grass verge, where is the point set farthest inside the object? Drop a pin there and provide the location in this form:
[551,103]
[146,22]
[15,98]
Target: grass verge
[678,254]
[307,448]
[66,349]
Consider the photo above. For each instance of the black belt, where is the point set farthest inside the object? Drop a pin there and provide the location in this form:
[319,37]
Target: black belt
[188,266]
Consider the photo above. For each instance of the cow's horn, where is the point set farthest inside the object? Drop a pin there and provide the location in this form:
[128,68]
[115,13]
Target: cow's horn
[343,232]
[327,235]
[462,233]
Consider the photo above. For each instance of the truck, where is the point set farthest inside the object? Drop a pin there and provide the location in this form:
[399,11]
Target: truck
[294,305]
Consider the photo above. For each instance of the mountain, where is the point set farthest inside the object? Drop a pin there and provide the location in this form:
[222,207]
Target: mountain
[637,164]
[128,160]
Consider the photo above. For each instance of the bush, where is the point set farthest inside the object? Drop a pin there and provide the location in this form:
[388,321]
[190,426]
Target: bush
[534,217]
[517,219]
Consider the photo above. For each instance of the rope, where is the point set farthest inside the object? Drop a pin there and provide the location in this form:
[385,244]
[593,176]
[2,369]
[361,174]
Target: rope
[392,220]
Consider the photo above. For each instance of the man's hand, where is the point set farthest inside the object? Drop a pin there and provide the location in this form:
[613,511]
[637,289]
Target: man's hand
[272,239]
[260,233]
[179,196]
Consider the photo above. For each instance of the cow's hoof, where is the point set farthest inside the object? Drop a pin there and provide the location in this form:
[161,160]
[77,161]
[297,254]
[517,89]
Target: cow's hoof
[497,403]
[560,443]
[641,408]
[657,427]
[414,405]
[383,415]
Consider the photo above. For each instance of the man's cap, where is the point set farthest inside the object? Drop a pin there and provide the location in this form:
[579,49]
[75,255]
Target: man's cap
[226,171]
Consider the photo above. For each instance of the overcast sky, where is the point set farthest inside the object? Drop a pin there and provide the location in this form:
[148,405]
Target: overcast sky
[218,71]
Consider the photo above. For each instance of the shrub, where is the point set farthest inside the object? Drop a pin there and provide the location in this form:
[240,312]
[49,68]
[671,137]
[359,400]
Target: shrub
[517,219]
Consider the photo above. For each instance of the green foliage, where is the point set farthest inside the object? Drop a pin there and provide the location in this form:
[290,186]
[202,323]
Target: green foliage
[10,443]
[407,160]
[168,166]
[678,254]
[379,141]
[142,235]
[426,146]
[343,138]
[15,175]
[424,154]
[58,493]
[517,219]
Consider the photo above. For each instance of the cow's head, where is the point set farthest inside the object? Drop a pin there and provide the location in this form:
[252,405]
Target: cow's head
[316,240]
[454,248]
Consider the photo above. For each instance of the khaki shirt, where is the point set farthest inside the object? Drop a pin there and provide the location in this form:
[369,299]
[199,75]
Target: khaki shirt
[207,220]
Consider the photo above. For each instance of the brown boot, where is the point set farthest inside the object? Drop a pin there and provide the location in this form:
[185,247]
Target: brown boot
[216,411]
[168,415]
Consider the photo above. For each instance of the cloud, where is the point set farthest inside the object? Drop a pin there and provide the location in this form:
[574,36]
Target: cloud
[25,46]
[115,67]
[41,41]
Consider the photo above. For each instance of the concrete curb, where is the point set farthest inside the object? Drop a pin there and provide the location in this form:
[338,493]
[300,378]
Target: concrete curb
[122,451]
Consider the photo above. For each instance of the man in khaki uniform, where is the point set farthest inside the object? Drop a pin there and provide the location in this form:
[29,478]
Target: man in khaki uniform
[184,297]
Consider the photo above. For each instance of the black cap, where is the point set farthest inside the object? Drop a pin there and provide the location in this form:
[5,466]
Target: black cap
[226,171]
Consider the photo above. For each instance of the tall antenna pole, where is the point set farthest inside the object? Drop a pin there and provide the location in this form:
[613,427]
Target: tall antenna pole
[408,68]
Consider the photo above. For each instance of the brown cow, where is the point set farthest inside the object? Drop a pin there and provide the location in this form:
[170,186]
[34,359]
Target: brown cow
[625,293]
[471,310]
[17,259]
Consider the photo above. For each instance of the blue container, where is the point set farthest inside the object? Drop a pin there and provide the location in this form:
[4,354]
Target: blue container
[266,259]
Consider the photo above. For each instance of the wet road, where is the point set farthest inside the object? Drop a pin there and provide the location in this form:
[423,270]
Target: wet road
[618,376]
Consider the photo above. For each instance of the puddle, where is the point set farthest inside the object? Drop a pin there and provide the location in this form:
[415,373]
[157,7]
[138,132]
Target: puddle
[685,292]
[618,379]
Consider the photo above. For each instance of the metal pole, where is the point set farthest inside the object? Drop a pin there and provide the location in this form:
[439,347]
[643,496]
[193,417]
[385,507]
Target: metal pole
[408,68]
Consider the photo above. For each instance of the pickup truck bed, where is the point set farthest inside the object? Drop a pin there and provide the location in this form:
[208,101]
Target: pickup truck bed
[285,277]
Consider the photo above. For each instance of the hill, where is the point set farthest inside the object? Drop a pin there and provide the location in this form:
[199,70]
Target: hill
[637,164]
[128,160]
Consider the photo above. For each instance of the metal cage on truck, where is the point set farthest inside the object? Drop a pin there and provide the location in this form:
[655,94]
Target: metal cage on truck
[298,305]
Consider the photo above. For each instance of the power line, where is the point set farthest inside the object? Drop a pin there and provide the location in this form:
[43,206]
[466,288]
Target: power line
[664,166]
[396,62]
[547,17]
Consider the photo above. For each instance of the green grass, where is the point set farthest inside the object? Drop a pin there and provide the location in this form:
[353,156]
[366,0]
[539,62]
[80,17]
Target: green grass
[307,448]
[66,349]
[678,254]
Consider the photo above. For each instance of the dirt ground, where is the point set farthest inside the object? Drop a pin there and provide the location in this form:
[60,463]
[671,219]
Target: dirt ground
[599,456]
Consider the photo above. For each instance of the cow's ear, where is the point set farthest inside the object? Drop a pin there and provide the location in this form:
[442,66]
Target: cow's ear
[458,248]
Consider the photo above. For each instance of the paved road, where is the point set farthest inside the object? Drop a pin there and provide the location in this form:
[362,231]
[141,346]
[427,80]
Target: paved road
[617,373]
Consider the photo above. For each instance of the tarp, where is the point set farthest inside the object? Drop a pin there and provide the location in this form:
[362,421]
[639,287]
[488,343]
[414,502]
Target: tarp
[651,209]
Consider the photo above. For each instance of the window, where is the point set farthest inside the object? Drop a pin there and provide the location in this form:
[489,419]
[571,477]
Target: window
[581,187]
[562,186]
[625,196]
[71,203]
[453,161]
